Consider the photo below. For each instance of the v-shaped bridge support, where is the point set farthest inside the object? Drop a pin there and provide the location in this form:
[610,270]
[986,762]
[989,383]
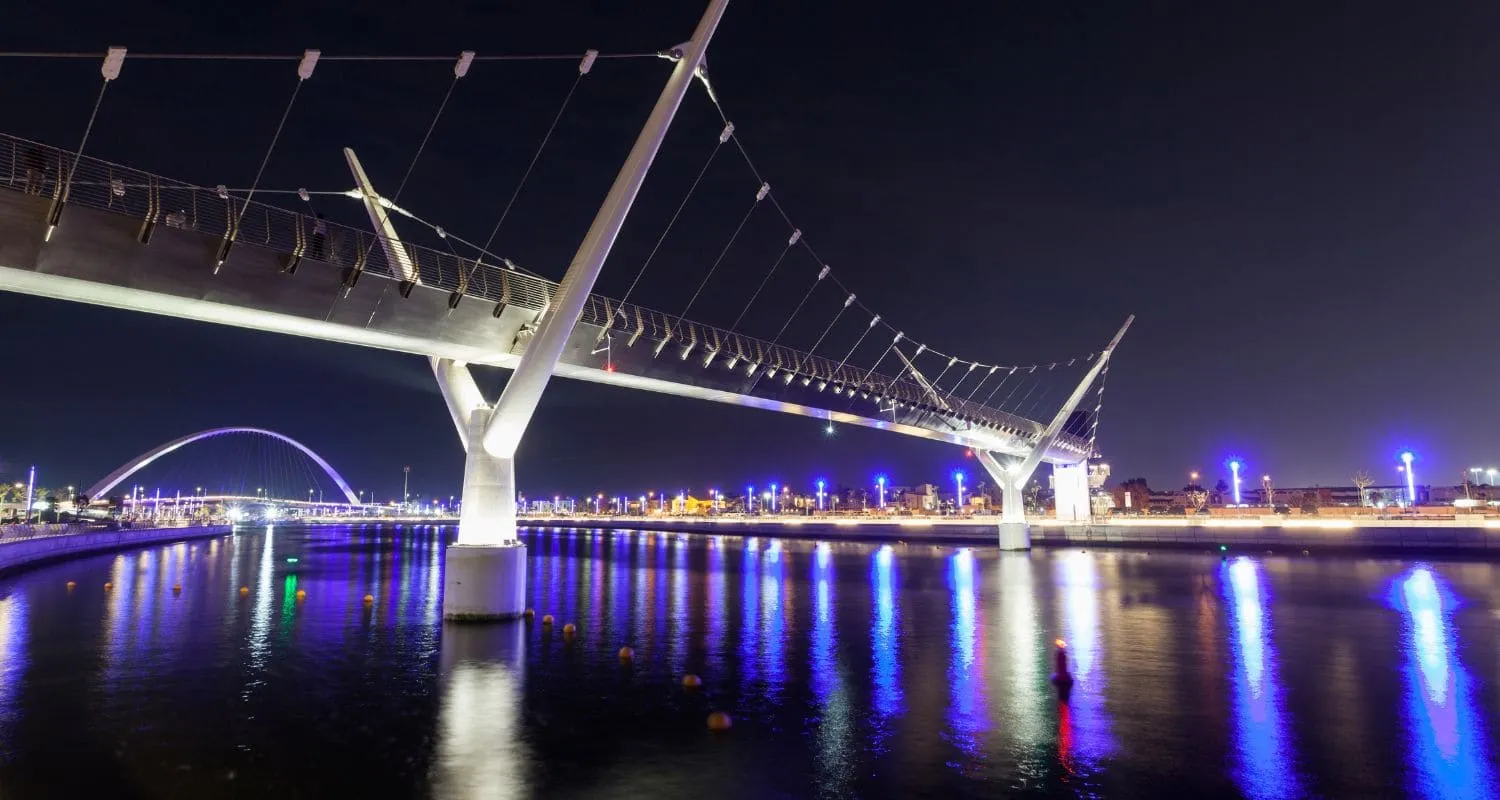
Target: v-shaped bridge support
[1013,473]
[486,569]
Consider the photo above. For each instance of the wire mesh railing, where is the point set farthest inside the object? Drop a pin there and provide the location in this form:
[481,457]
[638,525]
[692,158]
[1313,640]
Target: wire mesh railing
[43,170]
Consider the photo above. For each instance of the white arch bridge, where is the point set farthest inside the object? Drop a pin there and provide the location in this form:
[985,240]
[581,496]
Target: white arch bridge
[134,465]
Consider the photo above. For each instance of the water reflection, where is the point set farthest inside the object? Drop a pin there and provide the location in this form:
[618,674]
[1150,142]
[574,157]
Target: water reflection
[12,659]
[772,631]
[968,714]
[480,750]
[1263,765]
[885,642]
[835,730]
[216,681]
[1084,738]
[1447,744]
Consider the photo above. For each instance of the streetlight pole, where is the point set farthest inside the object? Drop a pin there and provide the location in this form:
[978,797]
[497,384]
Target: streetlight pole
[958,505]
[820,494]
[405,485]
[1234,470]
[880,485]
[1411,477]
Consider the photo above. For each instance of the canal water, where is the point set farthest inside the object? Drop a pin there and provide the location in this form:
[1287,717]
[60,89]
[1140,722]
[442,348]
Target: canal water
[849,670]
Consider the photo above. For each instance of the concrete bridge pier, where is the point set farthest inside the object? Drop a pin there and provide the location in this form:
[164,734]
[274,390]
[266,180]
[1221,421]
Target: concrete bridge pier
[1069,479]
[485,571]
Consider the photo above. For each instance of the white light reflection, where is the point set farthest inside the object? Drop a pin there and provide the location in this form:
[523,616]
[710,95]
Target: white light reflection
[772,625]
[1263,764]
[1084,737]
[13,660]
[968,715]
[835,728]
[717,602]
[1020,654]
[1448,746]
[885,645]
[677,620]
[481,753]
[260,620]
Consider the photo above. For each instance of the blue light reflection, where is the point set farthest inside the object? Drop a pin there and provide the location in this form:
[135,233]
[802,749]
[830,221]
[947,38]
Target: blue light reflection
[968,715]
[884,643]
[1263,763]
[1447,743]
[1088,741]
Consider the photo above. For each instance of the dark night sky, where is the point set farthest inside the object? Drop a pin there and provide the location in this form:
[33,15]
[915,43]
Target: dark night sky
[1296,199]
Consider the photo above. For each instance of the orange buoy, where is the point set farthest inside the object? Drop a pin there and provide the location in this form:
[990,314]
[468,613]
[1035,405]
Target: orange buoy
[176,588]
[547,620]
[301,594]
[626,654]
[108,586]
[570,629]
[691,681]
[530,612]
[72,584]
[369,599]
[719,721]
[244,590]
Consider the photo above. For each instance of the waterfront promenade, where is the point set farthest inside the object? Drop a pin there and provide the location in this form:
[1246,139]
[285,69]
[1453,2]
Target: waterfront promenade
[1353,535]
[25,545]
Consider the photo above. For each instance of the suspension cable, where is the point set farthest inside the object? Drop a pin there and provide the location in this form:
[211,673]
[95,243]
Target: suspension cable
[823,273]
[792,242]
[305,69]
[460,69]
[583,69]
[723,137]
[114,59]
[765,189]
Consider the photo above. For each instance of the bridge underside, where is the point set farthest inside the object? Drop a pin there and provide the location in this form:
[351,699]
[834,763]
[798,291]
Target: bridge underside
[94,257]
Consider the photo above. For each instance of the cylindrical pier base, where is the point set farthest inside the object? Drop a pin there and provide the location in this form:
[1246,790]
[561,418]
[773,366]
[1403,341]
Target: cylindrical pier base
[484,583]
[1015,536]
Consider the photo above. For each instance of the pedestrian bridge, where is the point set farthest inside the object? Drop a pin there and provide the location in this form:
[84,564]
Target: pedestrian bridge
[129,239]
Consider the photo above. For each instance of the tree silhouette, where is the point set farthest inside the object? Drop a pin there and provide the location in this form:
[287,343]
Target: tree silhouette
[1362,481]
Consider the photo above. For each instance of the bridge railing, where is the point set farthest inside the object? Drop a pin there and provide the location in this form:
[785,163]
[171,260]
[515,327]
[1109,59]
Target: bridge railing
[42,170]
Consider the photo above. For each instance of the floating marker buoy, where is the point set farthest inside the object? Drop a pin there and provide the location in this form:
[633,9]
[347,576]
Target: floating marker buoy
[719,721]
[108,586]
[1061,677]
[626,654]
[691,681]
[569,629]
[176,588]
[547,620]
[530,612]
[369,598]
[244,590]
[72,584]
[301,594]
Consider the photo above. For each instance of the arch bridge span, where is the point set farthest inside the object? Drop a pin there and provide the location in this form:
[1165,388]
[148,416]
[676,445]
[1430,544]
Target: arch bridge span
[140,462]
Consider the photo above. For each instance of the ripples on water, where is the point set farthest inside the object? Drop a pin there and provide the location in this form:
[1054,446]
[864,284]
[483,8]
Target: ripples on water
[851,671]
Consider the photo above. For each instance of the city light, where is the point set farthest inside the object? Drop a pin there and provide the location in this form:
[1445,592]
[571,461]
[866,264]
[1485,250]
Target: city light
[820,494]
[828,429]
[1411,476]
[772,495]
[958,478]
[880,486]
[749,499]
[1234,469]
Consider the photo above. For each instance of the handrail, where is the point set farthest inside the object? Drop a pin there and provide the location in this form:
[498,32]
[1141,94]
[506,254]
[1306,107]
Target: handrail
[39,169]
